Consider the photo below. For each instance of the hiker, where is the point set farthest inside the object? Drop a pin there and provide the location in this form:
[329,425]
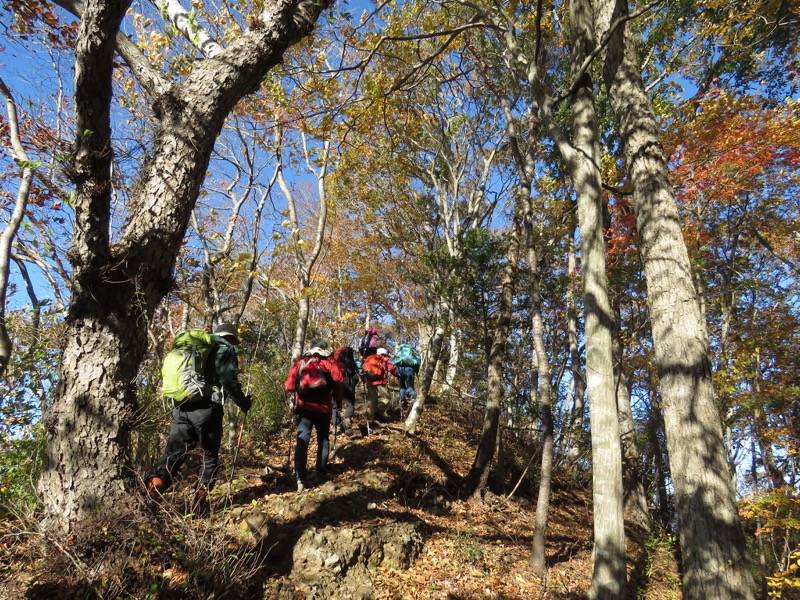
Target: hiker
[348,364]
[407,363]
[316,382]
[377,368]
[197,420]
[370,342]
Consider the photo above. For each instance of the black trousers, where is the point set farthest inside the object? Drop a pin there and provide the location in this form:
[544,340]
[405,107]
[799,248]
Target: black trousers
[193,426]
[321,423]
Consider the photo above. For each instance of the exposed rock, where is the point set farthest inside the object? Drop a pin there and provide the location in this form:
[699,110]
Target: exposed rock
[336,562]
[340,559]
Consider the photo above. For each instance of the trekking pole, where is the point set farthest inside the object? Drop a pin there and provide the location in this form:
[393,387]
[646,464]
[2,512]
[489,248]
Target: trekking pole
[235,456]
[292,427]
[335,429]
[366,407]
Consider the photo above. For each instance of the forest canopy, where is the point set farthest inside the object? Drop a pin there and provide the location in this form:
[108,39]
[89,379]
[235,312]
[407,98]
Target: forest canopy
[584,216]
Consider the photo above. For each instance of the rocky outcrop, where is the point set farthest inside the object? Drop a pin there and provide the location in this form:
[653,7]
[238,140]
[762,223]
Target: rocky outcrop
[332,541]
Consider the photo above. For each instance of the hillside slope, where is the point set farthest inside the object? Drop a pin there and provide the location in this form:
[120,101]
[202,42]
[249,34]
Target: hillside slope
[389,523]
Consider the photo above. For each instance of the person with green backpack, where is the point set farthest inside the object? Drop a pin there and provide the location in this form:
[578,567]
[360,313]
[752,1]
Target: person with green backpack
[198,374]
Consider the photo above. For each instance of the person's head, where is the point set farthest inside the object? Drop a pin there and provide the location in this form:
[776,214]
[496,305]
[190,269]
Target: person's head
[382,351]
[318,346]
[228,332]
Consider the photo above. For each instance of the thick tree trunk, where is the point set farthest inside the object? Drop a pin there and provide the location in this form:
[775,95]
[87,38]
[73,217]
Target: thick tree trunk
[715,563]
[115,288]
[88,429]
[609,576]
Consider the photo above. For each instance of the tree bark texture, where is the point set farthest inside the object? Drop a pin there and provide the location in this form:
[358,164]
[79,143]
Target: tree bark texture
[609,576]
[635,496]
[478,475]
[538,555]
[116,287]
[712,541]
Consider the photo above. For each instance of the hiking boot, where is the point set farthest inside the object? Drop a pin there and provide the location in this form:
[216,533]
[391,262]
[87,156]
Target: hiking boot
[301,486]
[155,488]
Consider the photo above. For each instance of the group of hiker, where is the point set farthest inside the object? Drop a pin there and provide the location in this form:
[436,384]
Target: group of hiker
[201,371]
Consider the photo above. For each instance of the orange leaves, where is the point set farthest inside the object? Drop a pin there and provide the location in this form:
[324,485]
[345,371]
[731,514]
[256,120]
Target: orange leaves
[730,145]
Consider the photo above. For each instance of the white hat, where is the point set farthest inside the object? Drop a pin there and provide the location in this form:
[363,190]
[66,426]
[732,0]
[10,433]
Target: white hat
[382,351]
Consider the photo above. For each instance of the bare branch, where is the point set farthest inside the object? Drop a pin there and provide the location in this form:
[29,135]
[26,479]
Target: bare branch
[10,231]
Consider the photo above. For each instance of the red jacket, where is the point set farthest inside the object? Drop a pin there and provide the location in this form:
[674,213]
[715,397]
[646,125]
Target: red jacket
[388,367]
[322,404]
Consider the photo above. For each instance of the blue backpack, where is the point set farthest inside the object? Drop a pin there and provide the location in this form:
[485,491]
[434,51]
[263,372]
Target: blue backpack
[405,357]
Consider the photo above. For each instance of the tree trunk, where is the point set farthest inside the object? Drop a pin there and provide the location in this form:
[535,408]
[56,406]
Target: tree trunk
[116,287]
[538,555]
[583,161]
[88,428]
[665,512]
[478,475]
[609,576]
[635,497]
[574,418]
[452,361]
[303,308]
[429,361]
[714,553]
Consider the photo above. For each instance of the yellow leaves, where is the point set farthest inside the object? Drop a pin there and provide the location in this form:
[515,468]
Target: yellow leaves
[784,581]
[158,42]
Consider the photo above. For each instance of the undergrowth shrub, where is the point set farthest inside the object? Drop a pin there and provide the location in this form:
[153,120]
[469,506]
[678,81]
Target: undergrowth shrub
[20,466]
[142,555]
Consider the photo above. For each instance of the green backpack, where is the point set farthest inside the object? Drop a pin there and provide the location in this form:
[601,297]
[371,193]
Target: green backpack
[182,373]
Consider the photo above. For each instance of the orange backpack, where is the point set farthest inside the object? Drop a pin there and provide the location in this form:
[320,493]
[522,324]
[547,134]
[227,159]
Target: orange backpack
[373,367]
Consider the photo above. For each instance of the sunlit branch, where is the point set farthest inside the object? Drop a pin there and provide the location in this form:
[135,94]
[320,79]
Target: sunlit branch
[186,23]
[10,232]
